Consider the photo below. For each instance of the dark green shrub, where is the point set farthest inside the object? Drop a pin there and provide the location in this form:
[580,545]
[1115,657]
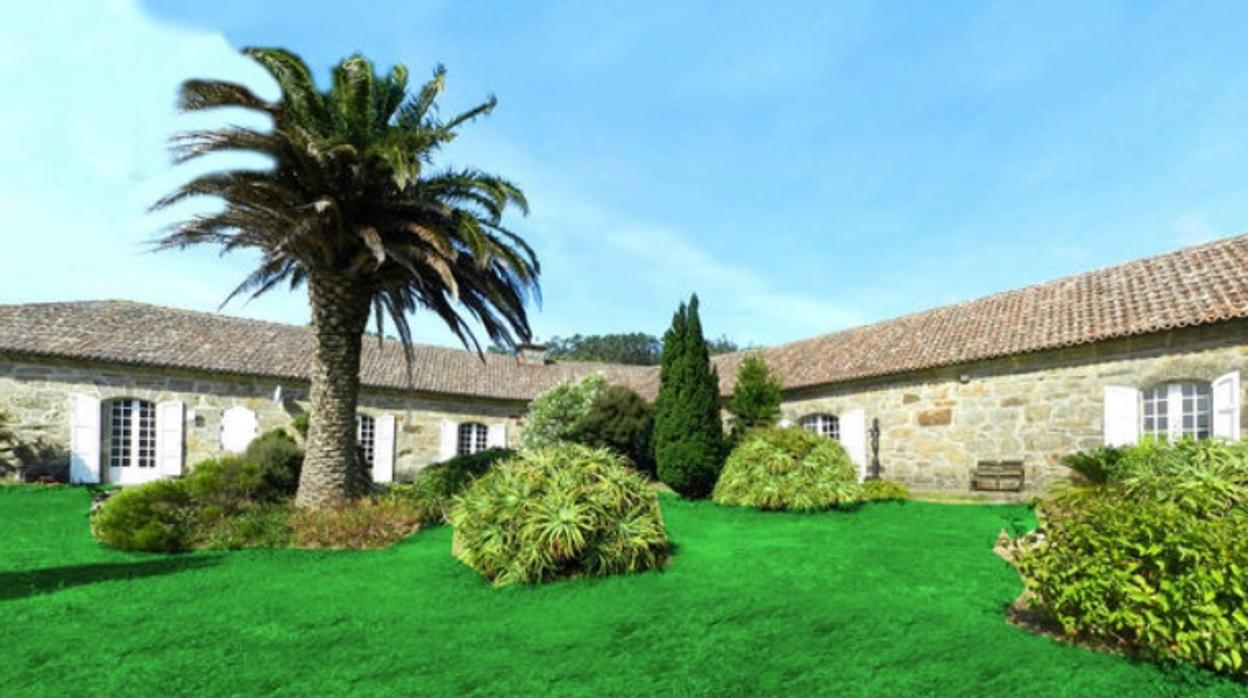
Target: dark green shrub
[280,458]
[225,484]
[558,512]
[1097,466]
[688,432]
[299,423]
[755,401]
[159,516]
[790,469]
[619,419]
[884,491]
[436,485]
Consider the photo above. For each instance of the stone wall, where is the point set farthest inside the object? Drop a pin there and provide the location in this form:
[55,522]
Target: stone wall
[36,393]
[935,425]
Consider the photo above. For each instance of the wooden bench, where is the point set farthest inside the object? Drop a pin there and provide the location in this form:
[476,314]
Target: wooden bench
[998,476]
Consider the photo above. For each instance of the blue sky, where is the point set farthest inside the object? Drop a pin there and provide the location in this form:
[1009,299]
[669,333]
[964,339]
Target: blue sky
[803,166]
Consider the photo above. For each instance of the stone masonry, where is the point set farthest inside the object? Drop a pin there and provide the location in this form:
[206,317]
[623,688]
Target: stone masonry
[36,393]
[936,424]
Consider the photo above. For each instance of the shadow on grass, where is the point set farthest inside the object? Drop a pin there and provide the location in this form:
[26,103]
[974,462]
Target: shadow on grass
[24,583]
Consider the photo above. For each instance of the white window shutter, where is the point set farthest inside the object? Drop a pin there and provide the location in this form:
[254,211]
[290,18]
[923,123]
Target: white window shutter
[854,438]
[450,440]
[238,428]
[169,424]
[1122,415]
[496,436]
[84,439]
[1226,401]
[383,448]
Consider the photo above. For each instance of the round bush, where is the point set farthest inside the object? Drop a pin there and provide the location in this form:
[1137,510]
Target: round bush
[884,491]
[158,516]
[787,469]
[280,459]
[620,419]
[437,484]
[558,512]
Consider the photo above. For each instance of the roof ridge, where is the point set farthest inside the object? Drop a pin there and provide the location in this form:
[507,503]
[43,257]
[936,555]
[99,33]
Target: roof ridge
[1104,269]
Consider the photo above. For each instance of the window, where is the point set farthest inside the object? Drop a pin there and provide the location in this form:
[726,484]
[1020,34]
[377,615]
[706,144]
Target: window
[131,434]
[823,424]
[366,436]
[1175,410]
[472,438]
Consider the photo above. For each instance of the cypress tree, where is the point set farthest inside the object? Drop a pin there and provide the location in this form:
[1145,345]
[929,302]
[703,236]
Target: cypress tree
[755,398]
[688,433]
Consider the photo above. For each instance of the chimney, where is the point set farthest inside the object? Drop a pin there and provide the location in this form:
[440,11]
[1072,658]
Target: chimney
[532,354]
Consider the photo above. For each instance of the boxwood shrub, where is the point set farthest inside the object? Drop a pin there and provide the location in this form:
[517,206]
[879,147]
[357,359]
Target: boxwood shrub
[787,469]
[1155,560]
[562,511]
[435,486]
[884,491]
[159,516]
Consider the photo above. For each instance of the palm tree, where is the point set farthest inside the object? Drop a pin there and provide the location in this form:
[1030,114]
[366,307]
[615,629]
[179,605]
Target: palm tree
[353,209]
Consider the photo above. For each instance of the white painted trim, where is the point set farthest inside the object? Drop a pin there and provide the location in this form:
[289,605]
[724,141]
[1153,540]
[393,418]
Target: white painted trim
[1226,406]
[170,422]
[383,448]
[84,439]
[1121,412]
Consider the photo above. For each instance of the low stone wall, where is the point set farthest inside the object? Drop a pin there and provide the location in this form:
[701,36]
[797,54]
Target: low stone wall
[36,393]
[1037,408]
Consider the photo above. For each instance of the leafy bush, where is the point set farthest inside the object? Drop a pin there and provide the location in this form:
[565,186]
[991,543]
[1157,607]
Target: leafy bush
[226,483]
[159,516]
[789,469]
[688,431]
[254,525]
[554,415]
[755,401]
[299,423]
[1097,466]
[619,419]
[280,459]
[369,522]
[559,512]
[1155,560]
[437,484]
[884,490]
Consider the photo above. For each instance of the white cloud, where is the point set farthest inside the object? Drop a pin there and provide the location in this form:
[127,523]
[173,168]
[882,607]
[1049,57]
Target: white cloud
[90,132]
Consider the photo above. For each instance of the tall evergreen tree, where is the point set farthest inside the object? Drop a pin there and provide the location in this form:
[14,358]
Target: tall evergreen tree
[755,398]
[688,432]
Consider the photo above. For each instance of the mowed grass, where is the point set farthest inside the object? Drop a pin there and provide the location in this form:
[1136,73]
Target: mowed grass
[893,599]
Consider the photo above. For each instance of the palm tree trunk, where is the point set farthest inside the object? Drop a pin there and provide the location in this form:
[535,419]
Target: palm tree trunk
[332,472]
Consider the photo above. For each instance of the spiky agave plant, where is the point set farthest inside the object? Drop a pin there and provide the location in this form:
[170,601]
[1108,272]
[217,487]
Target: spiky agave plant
[558,512]
[353,208]
[789,469]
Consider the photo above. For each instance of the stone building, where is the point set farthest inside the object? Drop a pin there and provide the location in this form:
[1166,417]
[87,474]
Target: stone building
[1153,347]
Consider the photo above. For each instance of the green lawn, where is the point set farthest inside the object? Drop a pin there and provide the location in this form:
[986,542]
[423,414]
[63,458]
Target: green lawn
[890,600]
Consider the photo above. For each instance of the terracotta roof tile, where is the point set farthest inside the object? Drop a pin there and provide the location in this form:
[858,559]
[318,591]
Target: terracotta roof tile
[139,334]
[1194,286]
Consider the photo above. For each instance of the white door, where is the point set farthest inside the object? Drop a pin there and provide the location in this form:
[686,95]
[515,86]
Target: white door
[130,442]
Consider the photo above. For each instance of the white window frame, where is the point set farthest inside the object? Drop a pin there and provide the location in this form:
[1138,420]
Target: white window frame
[823,424]
[472,437]
[366,437]
[132,427]
[1167,401]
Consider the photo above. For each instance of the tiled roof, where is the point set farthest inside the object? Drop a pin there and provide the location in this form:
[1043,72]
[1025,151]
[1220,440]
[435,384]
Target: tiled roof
[139,334]
[1194,286]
